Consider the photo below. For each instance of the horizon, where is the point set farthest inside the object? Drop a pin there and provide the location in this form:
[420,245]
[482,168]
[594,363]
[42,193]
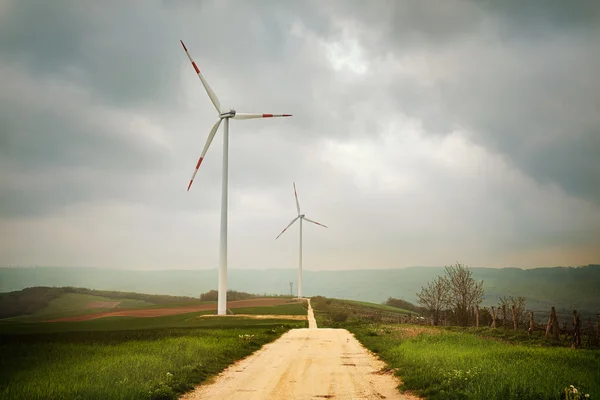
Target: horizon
[291,268]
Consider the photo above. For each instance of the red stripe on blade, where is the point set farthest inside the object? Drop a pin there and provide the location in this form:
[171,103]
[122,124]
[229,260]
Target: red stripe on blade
[287,115]
[190,185]
[267,115]
[199,162]
[195,67]
[185,48]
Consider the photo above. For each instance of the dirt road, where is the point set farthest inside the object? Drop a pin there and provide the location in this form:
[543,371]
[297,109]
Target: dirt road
[305,364]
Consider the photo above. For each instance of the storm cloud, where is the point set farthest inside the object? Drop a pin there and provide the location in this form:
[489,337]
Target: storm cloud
[423,133]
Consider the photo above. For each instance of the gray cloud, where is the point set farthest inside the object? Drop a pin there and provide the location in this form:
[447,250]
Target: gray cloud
[468,129]
[520,77]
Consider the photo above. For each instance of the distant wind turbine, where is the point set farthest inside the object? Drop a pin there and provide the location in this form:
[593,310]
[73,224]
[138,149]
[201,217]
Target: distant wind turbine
[226,115]
[300,217]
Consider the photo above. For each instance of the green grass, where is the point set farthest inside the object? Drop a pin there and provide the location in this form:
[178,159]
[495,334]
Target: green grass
[335,313]
[382,307]
[441,364]
[73,304]
[125,358]
[283,309]
[187,320]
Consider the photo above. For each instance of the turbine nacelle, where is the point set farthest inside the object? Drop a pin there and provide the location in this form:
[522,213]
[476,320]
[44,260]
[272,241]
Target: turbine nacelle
[227,114]
[301,215]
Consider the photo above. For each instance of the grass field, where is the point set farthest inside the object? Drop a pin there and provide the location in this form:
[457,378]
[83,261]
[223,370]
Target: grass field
[72,304]
[283,309]
[374,306]
[440,364]
[460,363]
[125,358]
[335,312]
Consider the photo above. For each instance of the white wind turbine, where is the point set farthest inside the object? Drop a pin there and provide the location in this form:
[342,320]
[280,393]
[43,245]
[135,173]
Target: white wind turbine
[223,115]
[300,217]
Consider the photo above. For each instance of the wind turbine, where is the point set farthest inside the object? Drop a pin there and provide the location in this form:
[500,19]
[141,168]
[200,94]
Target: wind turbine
[299,217]
[223,115]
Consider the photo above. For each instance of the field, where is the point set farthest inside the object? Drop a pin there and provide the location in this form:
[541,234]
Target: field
[439,363]
[75,304]
[333,312]
[124,357]
[374,306]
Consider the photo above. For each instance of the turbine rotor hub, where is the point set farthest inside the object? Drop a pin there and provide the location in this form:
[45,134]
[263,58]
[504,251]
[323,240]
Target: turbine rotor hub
[228,114]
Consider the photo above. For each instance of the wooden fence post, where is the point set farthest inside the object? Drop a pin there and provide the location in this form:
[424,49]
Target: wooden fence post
[577,330]
[548,326]
[589,331]
[477,316]
[555,327]
[514,315]
[531,323]
[493,317]
[504,315]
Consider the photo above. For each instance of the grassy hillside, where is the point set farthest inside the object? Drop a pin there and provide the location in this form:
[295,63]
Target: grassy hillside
[71,304]
[566,288]
[46,303]
[125,358]
[471,363]
[332,312]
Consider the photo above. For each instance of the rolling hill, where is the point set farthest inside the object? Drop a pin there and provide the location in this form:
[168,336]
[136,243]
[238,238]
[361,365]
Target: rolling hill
[567,288]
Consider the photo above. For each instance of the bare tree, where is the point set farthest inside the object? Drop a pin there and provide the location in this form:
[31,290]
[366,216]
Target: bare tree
[435,297]
[465,292]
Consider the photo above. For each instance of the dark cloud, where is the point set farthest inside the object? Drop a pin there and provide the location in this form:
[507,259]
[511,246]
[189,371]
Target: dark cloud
[102,120]
[520,76]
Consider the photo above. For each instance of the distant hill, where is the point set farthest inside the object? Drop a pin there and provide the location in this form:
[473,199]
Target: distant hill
[43,302]
[567,288]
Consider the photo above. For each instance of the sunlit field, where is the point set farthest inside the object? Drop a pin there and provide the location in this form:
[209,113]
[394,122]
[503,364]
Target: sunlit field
[439,363]
[126,358]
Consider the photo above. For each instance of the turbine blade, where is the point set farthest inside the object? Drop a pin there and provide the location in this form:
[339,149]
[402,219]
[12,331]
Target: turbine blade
[209,91]
[250,115]
[297,202]
[315,222]
[290,224]
[211,135]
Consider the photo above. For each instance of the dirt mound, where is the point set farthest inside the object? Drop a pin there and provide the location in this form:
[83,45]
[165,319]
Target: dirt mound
[159,312]
[102,304]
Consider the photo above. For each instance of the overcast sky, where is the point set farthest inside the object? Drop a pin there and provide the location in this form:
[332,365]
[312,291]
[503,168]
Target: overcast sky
[424,133]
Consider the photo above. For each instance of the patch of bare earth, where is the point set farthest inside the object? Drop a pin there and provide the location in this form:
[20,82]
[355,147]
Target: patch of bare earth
[159,312]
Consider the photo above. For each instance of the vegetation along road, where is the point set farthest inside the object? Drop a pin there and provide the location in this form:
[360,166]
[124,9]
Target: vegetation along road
[305,364]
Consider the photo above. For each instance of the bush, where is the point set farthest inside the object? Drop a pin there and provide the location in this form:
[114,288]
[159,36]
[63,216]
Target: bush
[339,316]
[232,295]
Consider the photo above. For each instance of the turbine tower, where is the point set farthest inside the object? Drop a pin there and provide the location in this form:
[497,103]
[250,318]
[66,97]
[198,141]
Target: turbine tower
[300,217]
[223,115]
